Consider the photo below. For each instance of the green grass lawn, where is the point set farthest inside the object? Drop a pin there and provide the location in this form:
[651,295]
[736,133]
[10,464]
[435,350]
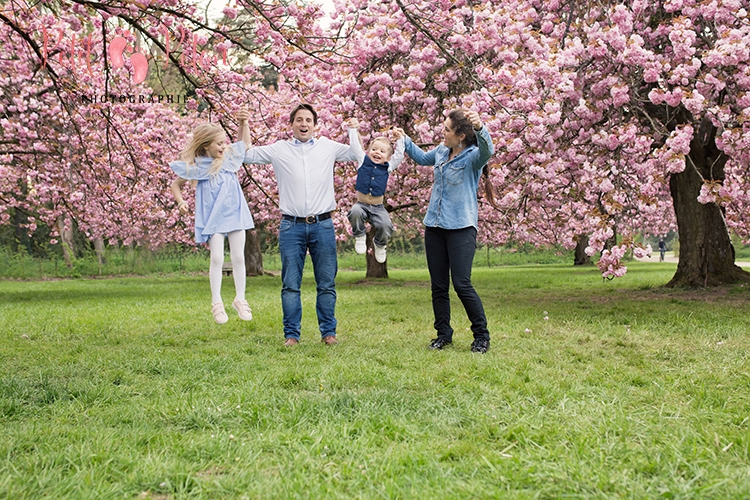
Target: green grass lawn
[126,388]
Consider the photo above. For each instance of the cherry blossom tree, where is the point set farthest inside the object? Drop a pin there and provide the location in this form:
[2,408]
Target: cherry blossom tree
[83,140]
[406,63]
[670,78]
[609,120]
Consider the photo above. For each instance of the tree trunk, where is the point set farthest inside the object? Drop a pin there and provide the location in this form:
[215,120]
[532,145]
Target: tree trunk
[99,250]
[612,241]
[66,239]
[253,255]
[706,253]
[374,268]
[21,234]
[580,258]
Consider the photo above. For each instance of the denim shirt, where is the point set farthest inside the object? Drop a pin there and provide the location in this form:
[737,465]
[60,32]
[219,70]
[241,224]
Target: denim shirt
[453,202]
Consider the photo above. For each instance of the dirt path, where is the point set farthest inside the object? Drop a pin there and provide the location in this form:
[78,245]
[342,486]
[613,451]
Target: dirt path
[670,257]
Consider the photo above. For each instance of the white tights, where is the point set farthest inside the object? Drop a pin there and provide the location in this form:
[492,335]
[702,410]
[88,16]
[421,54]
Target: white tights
[237,254]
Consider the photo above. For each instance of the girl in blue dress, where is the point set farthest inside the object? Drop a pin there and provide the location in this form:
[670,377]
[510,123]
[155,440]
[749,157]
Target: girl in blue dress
[220,207]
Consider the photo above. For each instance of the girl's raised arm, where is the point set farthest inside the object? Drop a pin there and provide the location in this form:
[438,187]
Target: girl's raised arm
[243,134]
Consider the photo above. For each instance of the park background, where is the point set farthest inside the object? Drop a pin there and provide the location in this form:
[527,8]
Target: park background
[614,124]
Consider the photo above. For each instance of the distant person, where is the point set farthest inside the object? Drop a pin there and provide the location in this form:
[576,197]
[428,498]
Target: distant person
[304,173]
[662,249]
[450,236]
[372,180]
[220,207]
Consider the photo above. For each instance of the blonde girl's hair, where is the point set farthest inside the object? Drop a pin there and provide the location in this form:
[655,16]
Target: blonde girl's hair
[203,135]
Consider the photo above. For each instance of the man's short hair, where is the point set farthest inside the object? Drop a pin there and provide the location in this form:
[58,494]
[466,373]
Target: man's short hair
[300,107]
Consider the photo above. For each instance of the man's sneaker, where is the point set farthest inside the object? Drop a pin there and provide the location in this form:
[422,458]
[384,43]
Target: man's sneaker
[439,343]
[243,309]
[360,244]
[220,315]
[379,254]
[480,345]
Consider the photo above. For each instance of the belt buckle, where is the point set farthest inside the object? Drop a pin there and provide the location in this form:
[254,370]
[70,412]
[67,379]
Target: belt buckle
[311,219]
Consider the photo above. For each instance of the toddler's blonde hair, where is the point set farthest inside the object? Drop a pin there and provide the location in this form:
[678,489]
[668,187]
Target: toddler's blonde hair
[385,141]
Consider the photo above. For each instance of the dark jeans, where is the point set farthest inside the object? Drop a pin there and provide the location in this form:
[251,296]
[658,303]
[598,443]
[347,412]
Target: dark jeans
[450,254]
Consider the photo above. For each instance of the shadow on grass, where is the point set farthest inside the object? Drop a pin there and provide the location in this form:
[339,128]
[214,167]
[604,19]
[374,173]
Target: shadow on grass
[86,290]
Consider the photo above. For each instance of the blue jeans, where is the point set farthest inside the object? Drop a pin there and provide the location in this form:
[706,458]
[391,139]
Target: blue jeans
[450,255]
[295,239]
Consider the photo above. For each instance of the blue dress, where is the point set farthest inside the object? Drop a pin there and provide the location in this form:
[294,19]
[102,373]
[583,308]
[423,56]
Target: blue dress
[220,205]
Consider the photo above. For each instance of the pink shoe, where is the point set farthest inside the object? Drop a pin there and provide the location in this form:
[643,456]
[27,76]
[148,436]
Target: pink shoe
[243,309]
[220,315]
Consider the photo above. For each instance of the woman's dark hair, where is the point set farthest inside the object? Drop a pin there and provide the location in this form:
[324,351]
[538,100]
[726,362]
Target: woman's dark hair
[489,189]
[462,125]
[300,107]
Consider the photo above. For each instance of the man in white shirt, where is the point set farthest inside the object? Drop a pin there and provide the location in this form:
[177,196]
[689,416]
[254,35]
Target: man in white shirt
[304,173]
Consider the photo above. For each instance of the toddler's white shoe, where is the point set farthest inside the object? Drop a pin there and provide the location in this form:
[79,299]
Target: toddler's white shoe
[220,315]
[360,244]
[243,309]
[380,254]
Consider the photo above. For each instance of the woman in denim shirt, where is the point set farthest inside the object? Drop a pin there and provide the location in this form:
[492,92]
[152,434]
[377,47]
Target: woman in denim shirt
[451,221]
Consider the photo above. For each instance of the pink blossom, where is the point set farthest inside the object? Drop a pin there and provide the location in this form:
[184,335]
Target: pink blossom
[694,103]
[620,95]
[673,98]
[606,186]
[641,252]
[656,96]
[708,193]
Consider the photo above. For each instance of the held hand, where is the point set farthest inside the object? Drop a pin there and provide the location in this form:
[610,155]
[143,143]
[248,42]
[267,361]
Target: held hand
[474,118]
[243,134]
[353,123]
[242,115]
[398,132]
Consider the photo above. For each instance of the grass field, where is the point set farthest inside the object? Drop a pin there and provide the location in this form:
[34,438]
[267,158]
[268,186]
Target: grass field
[125,388]
[141,261]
